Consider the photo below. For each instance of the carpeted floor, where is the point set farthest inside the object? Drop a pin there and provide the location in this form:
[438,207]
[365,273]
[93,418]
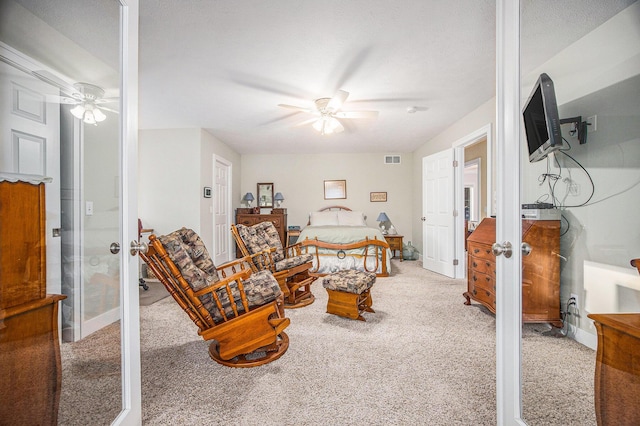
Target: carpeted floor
[156,291]
[422,358]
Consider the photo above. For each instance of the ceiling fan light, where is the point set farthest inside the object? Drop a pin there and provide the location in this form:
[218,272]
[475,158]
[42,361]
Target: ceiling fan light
[99,115]
[318,125]
[78,111]
[89,118]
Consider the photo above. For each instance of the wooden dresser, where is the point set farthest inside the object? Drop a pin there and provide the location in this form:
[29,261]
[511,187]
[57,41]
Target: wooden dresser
[30,368]
[540,269]
[617,377]
[278,217]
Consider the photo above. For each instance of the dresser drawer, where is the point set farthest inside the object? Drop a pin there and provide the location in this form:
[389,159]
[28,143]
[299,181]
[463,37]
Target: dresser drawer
[482,251]
[481,265]
[482,291]
[482,281]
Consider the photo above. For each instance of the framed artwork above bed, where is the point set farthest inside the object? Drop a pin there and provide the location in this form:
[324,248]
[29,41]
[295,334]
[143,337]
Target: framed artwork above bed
[335,189]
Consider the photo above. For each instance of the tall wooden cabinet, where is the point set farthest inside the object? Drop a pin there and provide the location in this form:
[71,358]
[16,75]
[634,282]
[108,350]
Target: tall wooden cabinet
[540,269]
[278,217]
[30,367]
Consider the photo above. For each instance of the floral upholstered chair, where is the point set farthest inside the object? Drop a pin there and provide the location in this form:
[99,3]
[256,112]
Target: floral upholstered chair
[241,311]
[289,265]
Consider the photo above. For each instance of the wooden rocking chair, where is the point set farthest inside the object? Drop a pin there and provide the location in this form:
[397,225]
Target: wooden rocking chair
[240,311]
[288,265]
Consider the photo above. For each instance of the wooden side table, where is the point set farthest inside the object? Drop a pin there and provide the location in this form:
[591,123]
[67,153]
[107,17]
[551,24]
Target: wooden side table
[395,243]
[292,233]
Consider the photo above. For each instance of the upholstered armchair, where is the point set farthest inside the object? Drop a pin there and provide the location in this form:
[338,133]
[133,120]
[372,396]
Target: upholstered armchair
[241,311]
[290,266]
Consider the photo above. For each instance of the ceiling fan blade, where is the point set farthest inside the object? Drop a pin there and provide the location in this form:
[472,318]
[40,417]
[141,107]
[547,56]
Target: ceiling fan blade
[338,100]
[356,114]
[106,100]
[305,122]
[297,108]
[108,109]
[56,99]
[338,128]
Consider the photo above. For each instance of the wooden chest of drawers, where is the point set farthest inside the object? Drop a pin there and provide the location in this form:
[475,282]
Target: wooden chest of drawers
[540,270]
[279,220]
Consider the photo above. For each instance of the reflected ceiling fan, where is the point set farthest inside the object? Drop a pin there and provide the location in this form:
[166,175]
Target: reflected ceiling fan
[88,100]
[328,113]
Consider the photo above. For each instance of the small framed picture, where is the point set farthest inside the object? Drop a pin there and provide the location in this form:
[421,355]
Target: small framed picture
[335,189]
[207,192]
[377,197]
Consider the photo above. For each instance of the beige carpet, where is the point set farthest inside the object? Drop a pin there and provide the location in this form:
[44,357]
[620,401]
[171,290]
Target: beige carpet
[422,358]
[156,291]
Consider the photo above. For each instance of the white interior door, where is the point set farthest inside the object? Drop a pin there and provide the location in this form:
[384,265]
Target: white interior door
[222,211]
[438,213]
[31,143]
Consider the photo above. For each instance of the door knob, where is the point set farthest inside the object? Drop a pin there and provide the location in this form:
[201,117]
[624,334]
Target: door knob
[526,249]
[504,249]
[137,247]
[423,218]
[114,248]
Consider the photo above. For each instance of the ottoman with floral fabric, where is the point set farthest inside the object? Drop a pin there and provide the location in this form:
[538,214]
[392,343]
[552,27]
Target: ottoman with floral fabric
[349,293]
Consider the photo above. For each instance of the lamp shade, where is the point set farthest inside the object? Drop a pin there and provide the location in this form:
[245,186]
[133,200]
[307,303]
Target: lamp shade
[382,217]
[249,197]
[278,196]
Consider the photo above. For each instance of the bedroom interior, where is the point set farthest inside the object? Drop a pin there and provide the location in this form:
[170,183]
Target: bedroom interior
[596,191]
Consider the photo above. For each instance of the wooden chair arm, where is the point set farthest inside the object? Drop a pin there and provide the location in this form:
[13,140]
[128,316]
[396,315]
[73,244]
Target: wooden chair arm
[636,264]
[293,250]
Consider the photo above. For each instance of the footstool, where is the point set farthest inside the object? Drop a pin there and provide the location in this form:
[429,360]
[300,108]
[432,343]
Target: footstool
[349,293]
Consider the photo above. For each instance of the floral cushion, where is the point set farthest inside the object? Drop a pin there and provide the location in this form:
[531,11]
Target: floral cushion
[350,281]
[263,236]
[292,262]
[187,251]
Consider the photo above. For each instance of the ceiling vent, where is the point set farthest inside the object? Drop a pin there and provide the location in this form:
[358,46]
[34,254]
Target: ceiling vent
[391,159]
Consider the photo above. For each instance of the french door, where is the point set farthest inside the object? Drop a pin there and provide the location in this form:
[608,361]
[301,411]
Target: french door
[90,168]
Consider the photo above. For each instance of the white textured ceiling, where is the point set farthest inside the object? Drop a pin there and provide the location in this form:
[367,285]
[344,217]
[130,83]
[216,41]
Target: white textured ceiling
[224,65]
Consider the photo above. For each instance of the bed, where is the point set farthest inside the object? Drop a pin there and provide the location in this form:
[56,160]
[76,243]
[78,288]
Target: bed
[338,238]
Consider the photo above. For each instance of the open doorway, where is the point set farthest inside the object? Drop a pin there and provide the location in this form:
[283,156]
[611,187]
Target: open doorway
[473,188]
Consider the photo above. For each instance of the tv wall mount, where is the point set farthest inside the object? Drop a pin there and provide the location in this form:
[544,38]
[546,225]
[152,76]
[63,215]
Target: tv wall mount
[579,126]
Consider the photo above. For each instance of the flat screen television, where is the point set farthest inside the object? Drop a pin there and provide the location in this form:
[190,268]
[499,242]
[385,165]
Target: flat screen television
[541,120]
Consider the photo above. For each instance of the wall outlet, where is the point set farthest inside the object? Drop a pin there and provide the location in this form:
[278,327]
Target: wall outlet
[575,297]
[88,208]
[593,124]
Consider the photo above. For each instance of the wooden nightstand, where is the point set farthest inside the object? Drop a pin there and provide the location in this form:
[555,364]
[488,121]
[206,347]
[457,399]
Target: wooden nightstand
[292,233]
[395,243]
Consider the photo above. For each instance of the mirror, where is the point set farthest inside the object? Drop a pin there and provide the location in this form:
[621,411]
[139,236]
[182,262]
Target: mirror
[265,195]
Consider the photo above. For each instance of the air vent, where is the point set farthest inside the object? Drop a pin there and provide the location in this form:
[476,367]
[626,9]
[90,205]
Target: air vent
[391,159]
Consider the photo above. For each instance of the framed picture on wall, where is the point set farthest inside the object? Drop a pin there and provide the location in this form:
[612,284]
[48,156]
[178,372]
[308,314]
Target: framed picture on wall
[335,189]
[377,197]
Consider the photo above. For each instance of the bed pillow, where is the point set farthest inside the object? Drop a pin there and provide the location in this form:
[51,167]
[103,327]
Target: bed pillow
[347,218]
[323,218]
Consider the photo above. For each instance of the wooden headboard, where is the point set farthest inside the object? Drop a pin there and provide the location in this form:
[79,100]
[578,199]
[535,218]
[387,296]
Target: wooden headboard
[324,209]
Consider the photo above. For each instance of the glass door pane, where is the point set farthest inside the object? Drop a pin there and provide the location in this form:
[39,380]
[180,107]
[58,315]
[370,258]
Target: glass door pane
[60,117]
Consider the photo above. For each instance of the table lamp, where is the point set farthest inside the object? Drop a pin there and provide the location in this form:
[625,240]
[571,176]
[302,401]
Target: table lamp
[248,197]
[279,199]
[383,218]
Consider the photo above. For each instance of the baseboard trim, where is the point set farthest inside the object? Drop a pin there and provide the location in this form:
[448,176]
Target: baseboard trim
[583,337]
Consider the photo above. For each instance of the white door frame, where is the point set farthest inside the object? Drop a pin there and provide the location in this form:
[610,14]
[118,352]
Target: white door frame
[458,147]
[131,413]
[508,225]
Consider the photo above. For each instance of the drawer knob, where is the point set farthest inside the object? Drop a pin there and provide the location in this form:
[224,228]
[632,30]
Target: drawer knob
[475,265]
[488,294]
[476,250]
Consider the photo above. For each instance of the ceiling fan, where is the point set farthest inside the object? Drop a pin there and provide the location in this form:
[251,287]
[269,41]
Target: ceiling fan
[88,100]
[328,113]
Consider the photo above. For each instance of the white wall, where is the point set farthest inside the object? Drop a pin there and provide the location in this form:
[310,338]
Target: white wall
[174,167]
[300,178]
